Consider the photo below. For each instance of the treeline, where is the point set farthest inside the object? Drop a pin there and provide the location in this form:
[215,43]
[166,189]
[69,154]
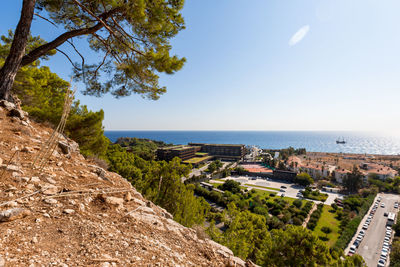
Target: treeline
[160,182]
[353,204]
[248,236]
[143,147]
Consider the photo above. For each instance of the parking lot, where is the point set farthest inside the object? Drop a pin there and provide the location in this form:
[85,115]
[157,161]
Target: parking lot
[291,190]
[370,247]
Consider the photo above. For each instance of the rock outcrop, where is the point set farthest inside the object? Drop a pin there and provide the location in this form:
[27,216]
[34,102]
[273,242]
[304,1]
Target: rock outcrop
[74,213]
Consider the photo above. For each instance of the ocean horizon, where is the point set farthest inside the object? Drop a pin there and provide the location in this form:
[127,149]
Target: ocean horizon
[315,141]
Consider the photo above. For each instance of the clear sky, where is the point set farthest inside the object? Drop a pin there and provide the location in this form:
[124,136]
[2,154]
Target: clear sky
[265,65]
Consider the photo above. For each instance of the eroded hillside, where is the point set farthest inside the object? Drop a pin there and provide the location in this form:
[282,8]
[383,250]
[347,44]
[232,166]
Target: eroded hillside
[74,213]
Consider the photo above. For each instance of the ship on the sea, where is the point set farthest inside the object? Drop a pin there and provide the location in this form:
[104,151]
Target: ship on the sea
[338,141]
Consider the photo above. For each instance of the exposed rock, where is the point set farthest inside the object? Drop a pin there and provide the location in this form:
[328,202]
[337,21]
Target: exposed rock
[13,168]
[35,180]
[128,196]
[50,201]
[50,180]
[13,214]
[114,201]
[27,149]
[69,211]
[50,190]
[18,113]
[7,105]
[2,262]
[65,148]
[12,204]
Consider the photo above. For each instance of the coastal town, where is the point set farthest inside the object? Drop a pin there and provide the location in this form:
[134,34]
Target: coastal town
[275,174]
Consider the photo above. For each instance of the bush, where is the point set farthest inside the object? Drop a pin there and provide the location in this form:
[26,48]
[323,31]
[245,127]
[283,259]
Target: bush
[312,223]
[297,203]
[324,238]
[297,221]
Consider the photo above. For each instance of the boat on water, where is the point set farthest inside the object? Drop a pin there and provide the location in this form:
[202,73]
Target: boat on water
[338,141]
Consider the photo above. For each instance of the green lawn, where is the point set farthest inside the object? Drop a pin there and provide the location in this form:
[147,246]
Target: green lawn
[263,193]
[328,219]
[266,187]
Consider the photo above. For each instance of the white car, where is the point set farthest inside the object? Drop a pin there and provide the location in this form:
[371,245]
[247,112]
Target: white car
[382,205]
[385,250]
[361,233]
[359,238]
[381,263]
[384,255]
[386,244]
[387,239]
[352,249]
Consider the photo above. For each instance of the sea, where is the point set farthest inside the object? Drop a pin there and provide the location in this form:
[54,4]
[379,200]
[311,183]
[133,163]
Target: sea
[315,141]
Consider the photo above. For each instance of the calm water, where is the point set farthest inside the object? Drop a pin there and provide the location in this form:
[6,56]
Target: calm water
[312,141]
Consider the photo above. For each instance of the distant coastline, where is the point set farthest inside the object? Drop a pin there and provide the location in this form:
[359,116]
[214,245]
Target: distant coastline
[315,141]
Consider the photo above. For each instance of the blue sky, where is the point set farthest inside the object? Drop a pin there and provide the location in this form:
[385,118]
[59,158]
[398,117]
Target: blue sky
[265,65]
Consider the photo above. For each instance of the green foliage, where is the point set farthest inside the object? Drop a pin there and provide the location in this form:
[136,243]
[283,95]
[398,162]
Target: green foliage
[315,195]
[353,181]
[303,179]
[231,185]
[327,230]
[132,49]
[297,203]
[86,128]
[389,185]
[396,228]
[395,254]
[214,166]
[315,217]
[296,246]
[160,182]
[42,95]
[144,148]
[348,224]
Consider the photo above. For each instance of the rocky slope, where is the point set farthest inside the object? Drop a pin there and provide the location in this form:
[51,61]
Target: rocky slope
[74,213]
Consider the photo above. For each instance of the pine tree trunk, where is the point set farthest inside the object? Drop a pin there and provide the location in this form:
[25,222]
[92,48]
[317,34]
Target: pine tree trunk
[17,51]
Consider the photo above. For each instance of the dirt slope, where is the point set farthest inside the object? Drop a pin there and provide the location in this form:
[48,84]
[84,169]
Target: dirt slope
[73,213]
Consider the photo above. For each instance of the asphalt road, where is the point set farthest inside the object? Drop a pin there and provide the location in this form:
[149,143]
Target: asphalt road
[371,246]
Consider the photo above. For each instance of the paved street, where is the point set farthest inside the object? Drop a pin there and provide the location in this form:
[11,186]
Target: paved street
[290,191]
[371,246]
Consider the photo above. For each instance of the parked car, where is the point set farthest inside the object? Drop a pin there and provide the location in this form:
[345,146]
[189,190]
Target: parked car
[359,238]
[365,227]
[352,249]
[381,263]
[362,233]
[356,243]
[382,205]
[385,214]
[283,186]
[387,239]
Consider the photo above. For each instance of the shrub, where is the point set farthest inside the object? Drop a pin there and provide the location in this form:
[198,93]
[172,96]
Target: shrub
[297,203]
[297,221]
